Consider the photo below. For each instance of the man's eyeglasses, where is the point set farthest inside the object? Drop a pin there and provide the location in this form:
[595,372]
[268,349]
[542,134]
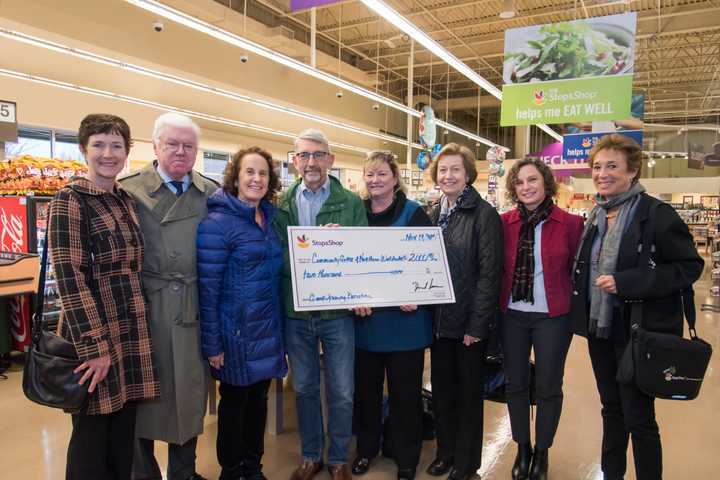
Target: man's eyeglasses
[173,146]
[319,155]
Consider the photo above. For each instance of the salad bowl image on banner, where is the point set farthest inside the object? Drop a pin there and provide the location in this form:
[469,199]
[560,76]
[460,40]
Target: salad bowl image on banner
[568,72]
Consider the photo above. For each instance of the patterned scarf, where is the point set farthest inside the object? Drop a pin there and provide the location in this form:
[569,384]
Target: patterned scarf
[447,212]
[523,277]
[601,303]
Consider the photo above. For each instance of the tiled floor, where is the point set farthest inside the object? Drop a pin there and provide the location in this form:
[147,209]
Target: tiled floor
[33,439]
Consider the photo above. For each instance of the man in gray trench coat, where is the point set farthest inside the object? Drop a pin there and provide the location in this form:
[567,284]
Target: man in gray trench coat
[172,199]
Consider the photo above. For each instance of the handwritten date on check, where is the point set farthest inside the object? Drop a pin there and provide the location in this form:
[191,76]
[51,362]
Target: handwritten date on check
[344,267]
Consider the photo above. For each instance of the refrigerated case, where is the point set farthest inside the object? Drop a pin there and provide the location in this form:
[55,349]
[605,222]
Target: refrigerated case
[23,224]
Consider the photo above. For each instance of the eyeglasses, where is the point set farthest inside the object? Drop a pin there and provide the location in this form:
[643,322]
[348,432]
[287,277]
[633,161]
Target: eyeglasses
[319,155]
[172,145]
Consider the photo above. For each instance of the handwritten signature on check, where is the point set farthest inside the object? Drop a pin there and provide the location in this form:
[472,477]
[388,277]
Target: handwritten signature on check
[425,286]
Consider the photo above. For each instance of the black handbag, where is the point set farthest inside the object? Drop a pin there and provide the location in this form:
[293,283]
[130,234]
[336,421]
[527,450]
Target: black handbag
[48,377]
[663,365]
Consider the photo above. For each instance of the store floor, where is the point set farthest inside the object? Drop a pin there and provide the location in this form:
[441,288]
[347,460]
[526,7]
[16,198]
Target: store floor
[33,439]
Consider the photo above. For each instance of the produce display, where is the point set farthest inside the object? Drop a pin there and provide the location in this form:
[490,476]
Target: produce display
[36,175]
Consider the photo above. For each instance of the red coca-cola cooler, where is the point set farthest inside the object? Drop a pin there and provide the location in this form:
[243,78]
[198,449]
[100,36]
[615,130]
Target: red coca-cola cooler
[23,223]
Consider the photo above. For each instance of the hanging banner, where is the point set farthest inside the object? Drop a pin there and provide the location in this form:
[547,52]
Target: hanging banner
[296,5]
[569,72]
[577,146]
[552,155]
[578,143]
[713,159]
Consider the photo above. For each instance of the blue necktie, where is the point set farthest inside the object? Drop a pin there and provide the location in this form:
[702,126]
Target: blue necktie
[178,187]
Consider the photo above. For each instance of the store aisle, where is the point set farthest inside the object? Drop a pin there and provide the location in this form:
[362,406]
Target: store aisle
[33,439]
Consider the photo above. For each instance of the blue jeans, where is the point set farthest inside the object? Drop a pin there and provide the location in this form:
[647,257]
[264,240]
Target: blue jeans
[338,344]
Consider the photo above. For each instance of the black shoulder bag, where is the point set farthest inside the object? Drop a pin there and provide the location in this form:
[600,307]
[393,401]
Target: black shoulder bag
[665,366]
[48,377]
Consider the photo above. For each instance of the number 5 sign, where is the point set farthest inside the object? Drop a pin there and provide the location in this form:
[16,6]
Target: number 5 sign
[8,121]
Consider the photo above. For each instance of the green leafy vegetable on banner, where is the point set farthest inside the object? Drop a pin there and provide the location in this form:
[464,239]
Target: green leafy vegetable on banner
[569,50]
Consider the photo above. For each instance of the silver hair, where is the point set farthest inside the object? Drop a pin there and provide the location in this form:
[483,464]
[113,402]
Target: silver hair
[172,119]
[312,135]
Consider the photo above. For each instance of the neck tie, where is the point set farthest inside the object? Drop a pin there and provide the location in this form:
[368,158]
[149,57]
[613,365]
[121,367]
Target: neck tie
[178,187]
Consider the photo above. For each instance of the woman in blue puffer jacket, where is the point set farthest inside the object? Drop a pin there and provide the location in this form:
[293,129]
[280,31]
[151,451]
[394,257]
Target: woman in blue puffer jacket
[239,268]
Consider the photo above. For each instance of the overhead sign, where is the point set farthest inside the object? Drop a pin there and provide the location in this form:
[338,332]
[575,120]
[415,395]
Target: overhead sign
[577,146]
[8,121]
[569,72]
[296,5]
[552,155]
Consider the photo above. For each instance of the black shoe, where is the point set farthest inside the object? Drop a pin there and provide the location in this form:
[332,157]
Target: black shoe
[539,467]
[456,474]
[196,476]
[521,468]
[360,466]
[439,467]
[406,474]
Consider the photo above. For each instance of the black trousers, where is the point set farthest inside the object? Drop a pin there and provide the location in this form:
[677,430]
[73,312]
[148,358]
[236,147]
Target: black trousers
[404,373]
[242,414]
[181,460]
[626,412]
[550,339]
[458,379]
[101,446]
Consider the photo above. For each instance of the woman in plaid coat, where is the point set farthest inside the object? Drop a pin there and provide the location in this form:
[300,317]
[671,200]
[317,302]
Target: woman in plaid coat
[97,250]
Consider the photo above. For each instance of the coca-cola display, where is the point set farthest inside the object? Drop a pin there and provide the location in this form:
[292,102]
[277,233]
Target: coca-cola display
[23,223]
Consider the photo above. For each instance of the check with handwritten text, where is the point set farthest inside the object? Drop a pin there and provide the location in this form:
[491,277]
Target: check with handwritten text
[344,267]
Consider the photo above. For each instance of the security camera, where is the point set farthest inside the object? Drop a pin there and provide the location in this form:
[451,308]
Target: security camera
[244,58]
[339,94]
[158,26]
[376,107]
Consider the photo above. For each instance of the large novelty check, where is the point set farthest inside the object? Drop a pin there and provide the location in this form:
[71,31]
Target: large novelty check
[345,267]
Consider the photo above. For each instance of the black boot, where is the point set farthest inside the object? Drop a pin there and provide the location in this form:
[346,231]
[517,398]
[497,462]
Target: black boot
[521,468]
[539,467]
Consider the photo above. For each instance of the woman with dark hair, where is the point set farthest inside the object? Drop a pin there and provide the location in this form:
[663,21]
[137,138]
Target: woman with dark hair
[391,341]
[103,310]
[239,267]
[473,241]
[540,244]
[608,276]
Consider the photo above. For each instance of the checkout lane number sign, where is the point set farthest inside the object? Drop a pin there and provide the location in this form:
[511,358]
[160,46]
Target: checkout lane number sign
[7,112]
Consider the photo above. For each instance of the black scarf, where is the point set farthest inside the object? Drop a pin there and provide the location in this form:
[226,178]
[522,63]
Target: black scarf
[522,283]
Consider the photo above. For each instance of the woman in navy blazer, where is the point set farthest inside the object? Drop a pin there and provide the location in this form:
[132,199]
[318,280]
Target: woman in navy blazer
[239,267]
[540,244]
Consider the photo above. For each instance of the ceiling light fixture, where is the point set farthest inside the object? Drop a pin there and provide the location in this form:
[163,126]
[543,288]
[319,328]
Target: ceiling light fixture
[387,13]
[508,10]
[86,55]
[189,21]
[169,108]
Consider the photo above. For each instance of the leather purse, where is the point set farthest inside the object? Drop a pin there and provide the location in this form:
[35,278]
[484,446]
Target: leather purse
[48,376]
[663,365]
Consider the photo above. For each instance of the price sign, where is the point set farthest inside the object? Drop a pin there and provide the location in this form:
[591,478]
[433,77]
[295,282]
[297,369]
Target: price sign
[8,121]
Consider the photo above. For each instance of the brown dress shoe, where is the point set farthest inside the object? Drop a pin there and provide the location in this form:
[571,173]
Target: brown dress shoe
[340,472]
[307,470]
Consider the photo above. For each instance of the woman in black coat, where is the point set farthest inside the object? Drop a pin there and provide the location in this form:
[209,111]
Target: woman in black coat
[473,240]
[607,275]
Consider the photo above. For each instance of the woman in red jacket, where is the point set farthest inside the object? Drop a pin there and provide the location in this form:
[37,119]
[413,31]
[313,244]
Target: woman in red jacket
[540,243]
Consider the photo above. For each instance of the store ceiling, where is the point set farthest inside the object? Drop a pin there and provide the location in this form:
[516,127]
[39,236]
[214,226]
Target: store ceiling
[677,64]
[678,68]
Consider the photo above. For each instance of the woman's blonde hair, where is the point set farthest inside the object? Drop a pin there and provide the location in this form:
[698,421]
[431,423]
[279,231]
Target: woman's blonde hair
[376,158]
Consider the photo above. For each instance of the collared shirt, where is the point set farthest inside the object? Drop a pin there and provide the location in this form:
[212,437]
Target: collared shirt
[540,305]
[309,203]
[166,180]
